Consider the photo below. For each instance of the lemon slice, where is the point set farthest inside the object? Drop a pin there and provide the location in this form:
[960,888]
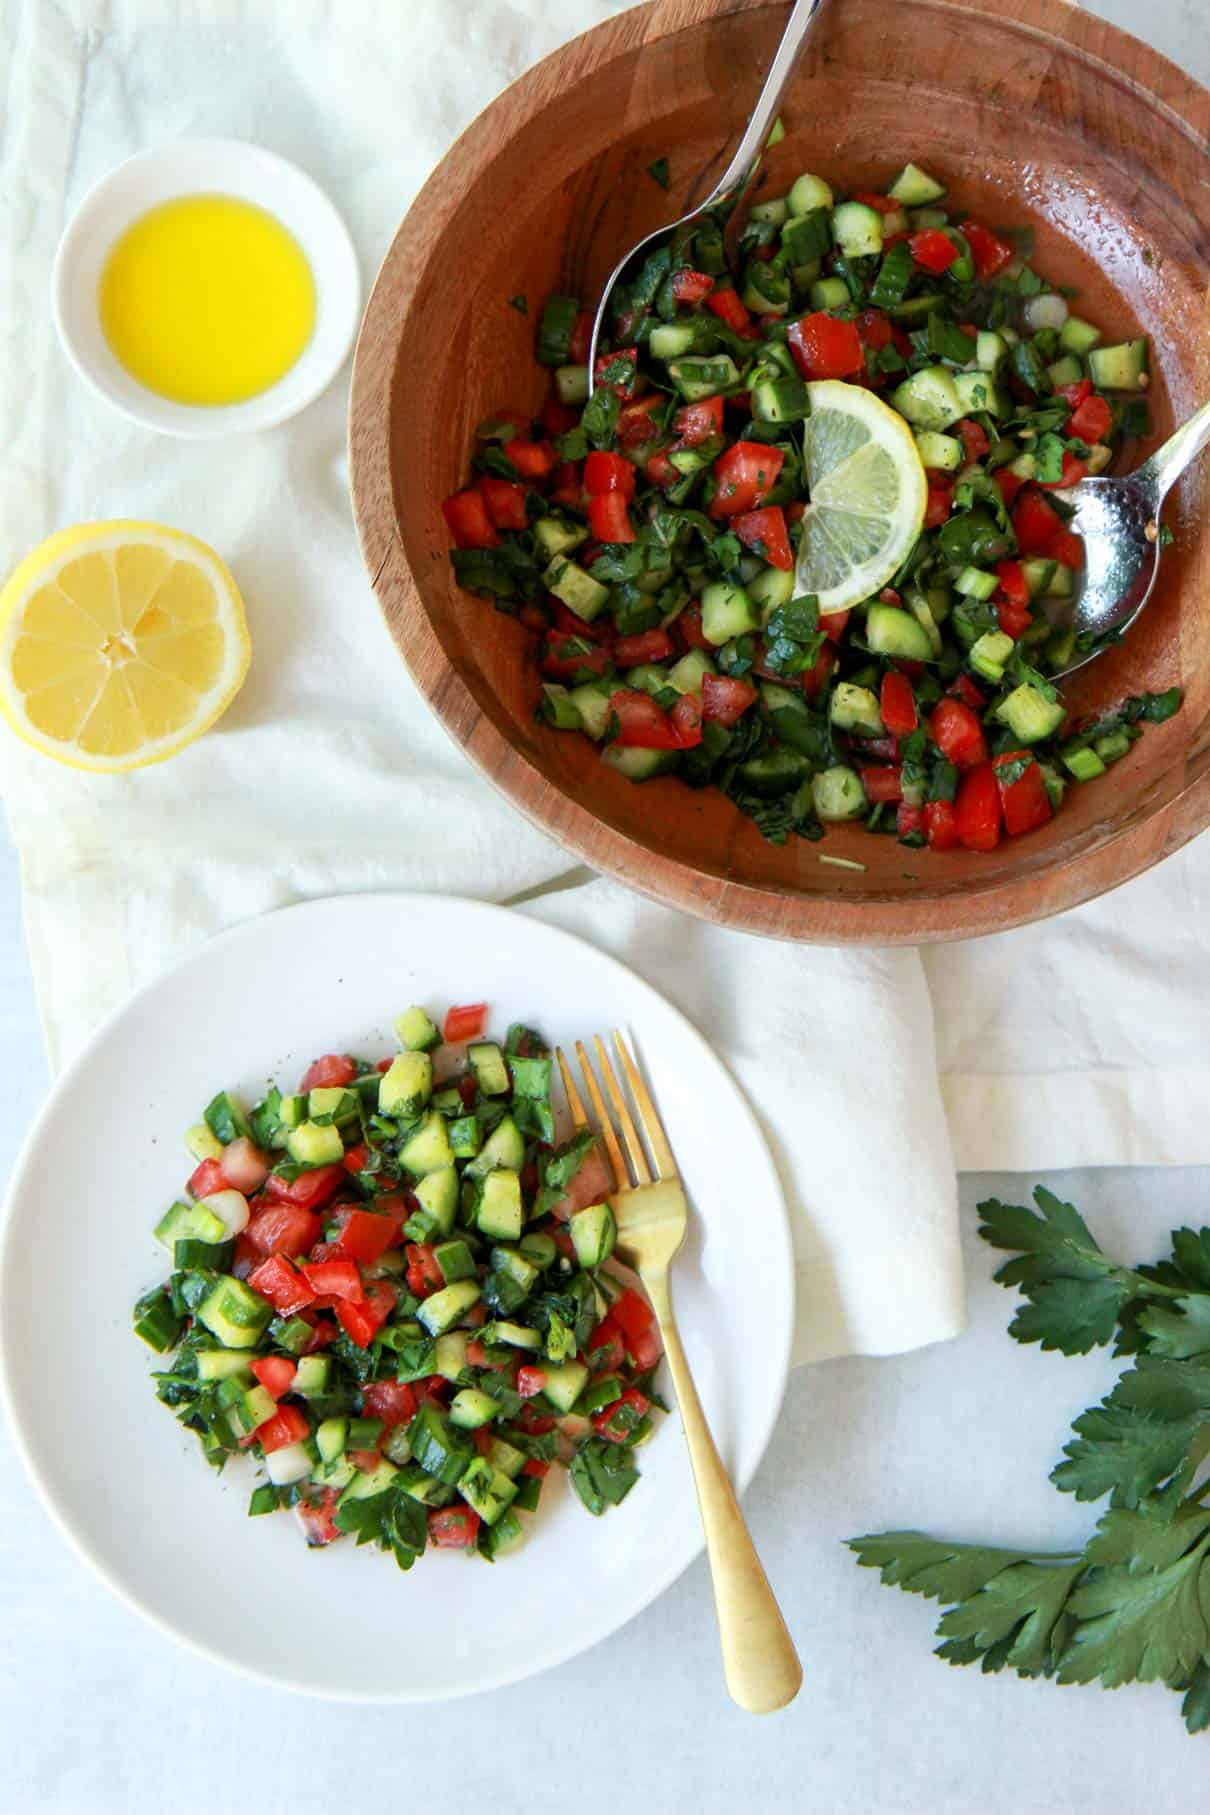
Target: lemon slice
[119,644]
[868,495]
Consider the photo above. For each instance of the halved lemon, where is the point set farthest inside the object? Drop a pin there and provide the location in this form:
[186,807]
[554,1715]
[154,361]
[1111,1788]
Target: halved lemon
[119,644]
[868,495]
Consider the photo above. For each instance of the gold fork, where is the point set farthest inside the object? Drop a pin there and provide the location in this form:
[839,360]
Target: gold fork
[759,1659]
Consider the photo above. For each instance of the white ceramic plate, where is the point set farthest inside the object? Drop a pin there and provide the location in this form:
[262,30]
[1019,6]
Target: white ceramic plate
[129,1487]
[193,167]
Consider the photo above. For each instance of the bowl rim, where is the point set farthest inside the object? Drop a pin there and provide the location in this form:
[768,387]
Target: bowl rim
[993,906]
[222,166]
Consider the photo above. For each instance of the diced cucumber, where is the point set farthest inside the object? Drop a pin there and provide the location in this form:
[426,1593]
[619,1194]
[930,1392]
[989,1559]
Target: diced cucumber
[1099,457]
[437,1195]
[491,1073]
[1083,763]
[780,397]
[330,1438]
[289,1464]
[774,773]
[450,1354]
[1119,368]
[838,794]
[576,588]
[976,583]
[487,1490]
[201,1144]
[991,350]
[416,1030]
[593,1233]
[571,382]
[766,288]
[989,653]
[1029,715]
[893,632]
[671,339]
[699,377]
[538,1249]
[1112,746]
[915,188]
[772,587]
[687,674]
[855,708]
[807,193]
[591,701]
[234,1313]
[1067,370]
[1038,572]
[455,1260]
[190,1222]
[504,1146]
[857,229]
[334,1101]
[465,1136]
[443,1310]
[942,452]
[648,677]
[918,605]
[312,1376]
[406,1086]
[976,391]
[727,612]
[516,1265]
[554,537]
[222,1364]
[564,1384]
[506,1458]
[774,213]
[419,1485]
[368,1482]
[311,1144]
[470,1409]
[226,1117]
[829,293]
[292,1110]
[516,1335]
[428,1150]
[636,764]
[501,1213]
[929,398]
[1078,336]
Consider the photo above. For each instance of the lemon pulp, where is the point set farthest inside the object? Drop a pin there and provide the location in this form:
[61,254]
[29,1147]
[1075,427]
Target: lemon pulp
[207,300]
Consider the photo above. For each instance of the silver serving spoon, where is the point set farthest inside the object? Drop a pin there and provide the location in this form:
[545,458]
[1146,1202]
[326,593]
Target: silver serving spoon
[739,173]
[1119,519]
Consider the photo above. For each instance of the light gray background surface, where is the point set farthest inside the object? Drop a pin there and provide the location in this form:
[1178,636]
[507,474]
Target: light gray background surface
[100,1715]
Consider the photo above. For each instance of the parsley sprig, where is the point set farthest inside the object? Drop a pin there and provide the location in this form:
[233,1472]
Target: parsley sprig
[1134,1604]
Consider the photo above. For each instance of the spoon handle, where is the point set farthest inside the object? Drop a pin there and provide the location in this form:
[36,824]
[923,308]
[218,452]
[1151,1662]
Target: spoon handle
[769,100]
[1168,462]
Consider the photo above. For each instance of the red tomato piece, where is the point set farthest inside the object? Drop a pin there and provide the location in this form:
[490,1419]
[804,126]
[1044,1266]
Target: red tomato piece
[1036,522]
[746,473]
[281,1283]
[659,470]
[362,1322]
[422,1258]
[686,720]
[1075,394]
[283,1228]
[207,1178]
[453,1527]
[580,338]
[615,1422]
[977,808]
[530,1380]
[635,425]
[989,251]
[897,704]
[1013,583]
[1008,484]
[323,1331]
[334,1279]
[882,783]
[566,485]
[287,1425]
[689,625]
[366,1236]
[317,1516]
[1073,470]
[275,1373]
[466,517]
[963,688]
[1013,621]
[556,416]
[833,623]
[937,509]
[625,388]
[958,734]
[874,328]
[816,678]
[645,646]
[609,518]
[826,348]
[605,472]
[940,825]
[465,1022]
[356,1157]
[1024,802]
[695,423]
[393,1401]
[974,439]
[691,286]
[476,1354]
[729,308]
[883,204]
[563,662]
[1068,548]
[532,459]
[505,501]
[632,1315]
[537,1470]
[334,1070]
[311,1189]
[643,724]
[725,698]
[933,250]
[530,1419]
[908,820]
[1091,421]
[765,533]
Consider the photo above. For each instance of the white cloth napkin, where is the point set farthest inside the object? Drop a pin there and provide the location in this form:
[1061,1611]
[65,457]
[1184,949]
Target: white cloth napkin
[320,776]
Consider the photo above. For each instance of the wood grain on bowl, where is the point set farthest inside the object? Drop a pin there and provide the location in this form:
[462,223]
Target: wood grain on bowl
[1036,114]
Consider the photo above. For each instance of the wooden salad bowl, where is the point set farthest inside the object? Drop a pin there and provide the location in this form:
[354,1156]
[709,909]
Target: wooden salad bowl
[1035,113]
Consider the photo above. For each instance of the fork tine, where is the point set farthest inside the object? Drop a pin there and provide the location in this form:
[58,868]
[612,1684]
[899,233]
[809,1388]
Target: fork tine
[620,1174]
[630,1135]
[578,1115]
[653,1128]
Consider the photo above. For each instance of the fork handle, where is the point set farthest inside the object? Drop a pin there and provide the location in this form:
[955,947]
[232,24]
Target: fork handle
[759,1660]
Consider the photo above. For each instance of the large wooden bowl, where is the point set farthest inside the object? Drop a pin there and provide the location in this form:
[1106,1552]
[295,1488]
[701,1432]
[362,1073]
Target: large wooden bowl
[1035,113]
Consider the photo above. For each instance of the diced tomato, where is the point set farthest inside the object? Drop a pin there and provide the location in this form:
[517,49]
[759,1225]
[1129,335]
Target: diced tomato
[1068,548]
[591,1183]
[356,1157]
[642,724]
[317,1516]
[1013,583]
[556,416]
[1024,802]
[765,533]
[281,1283]
[580,338]
[874,328]
[566,485]
[908,820]
[466,516]
[275,1373]
[207,1178]
[468,1089]
[363,1459]
[1074,394]
[957,733]
[625,388]
[882,783]
[453,1527]
[615,1422]
[243,1166]
[561,662]
[897,704]
[729,308]
[635,425]
[659,470]
[323,1331]
[940,825]
[1036,522]
[691,286]
[746,473]
[1013,621]
[689,626]
[531,1420]
[424,1270]
[570,625]
[532,459]
[334,1279]
[632,1314]
[963,688]
[883,204]
[645,646]
[282,1228]
[977,808]
[605,472]
[476,1354]
[974,439]
[1008,483]
[362,1322]
[989,251]
[367,1235]
[833,623]
[505,501]
[535,1469]
[1092,420]
[609,518]
[287,1425]
[933,250]
[725,698]
[816,678]
[311,1189]
[937,509]
[530,1381]
[393,1401]
[465,1022]
[826,348]
[695,423]
[1073,470]
[686,719]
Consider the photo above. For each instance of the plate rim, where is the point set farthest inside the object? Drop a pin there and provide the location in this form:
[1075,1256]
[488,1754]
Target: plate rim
[61,1089]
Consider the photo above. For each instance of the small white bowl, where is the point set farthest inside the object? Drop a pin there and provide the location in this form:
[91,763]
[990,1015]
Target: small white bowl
[206,167]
